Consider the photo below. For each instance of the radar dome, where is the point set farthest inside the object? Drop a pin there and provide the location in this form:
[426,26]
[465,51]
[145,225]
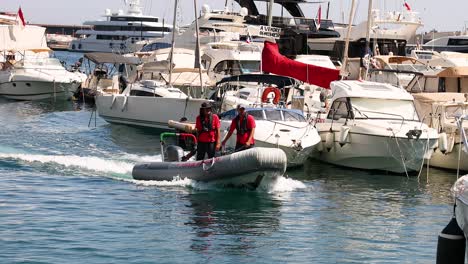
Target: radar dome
[108,12]
[244,11]
[206,9]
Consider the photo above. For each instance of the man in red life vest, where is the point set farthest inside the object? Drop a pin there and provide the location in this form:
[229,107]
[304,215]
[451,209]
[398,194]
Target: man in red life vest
[245,126]
[208,132]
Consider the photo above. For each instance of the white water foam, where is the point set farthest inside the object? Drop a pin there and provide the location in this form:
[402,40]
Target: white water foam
[175,182]
[284,184]
[86,163]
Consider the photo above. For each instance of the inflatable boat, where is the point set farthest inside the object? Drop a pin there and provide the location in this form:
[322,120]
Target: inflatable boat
[249,167]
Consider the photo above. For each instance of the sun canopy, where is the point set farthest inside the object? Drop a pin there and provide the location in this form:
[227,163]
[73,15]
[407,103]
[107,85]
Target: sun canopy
[280,81]
[274,62]
[101,57]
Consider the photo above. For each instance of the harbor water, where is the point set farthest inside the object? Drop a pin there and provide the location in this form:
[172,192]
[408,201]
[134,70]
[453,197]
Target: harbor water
[67,196]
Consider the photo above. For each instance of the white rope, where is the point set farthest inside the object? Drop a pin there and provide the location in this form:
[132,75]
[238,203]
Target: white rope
[401,154]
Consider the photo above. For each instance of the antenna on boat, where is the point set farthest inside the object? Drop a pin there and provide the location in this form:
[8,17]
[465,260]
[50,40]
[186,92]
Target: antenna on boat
[176,2]
[343,71]
[197,49]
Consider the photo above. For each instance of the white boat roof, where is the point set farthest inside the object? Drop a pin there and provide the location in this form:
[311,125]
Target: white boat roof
[365,89]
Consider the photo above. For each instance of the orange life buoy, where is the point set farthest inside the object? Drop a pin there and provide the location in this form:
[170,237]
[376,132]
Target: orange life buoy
[267,91]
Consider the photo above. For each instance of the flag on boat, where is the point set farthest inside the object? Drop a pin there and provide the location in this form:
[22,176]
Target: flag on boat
[248,39]
[319,16]
[21,17]
[464,140]
[274,62]
[407,6]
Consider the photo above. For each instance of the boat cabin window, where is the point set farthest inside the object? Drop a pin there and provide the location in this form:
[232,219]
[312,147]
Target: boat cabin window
[155,46]
[221,19]
[293,116]
[143,93]
[228,115]
[235,67]
[257,114]
[273,115]
[456,110]
[457,42]
[372,108]
[339,109]
[131,18]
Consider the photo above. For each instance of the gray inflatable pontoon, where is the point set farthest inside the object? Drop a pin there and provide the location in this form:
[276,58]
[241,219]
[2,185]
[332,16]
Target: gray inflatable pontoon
[247,167]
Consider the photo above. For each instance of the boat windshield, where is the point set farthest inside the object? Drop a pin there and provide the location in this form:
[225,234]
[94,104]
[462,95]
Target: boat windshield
[456,110]
[374,108]
[42,62]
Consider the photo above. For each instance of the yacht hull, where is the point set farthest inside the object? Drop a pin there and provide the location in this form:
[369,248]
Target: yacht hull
[146,111]
[374,152]
[37,90]
[450,160]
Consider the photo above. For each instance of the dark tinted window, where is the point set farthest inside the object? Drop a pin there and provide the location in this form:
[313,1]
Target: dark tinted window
[458,42]
[257,114]
[339,108]
[273,115]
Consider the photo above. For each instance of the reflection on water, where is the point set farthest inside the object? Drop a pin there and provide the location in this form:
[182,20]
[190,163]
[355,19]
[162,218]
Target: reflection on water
[234,214]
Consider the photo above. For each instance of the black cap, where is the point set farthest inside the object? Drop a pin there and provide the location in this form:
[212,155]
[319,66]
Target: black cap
[206,106]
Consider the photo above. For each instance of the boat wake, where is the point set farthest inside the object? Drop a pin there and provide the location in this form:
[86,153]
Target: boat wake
[121,169]
[116,168]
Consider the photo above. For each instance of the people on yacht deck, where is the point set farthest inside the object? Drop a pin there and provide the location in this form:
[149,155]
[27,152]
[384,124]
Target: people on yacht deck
[207,126]
[244,124]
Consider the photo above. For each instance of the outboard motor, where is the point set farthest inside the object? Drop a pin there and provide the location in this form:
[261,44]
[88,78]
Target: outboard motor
[174,153]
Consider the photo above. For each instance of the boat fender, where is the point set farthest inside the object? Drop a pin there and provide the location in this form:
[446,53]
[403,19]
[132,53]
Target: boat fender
[269,90]
[443,142]
[79,46]
[451,244]
[329,140]
[450,143]
[344,132]
[320,146]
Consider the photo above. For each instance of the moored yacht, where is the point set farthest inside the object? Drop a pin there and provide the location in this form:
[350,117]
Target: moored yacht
[374,126]
[445,112]
[120,32]
[27,71]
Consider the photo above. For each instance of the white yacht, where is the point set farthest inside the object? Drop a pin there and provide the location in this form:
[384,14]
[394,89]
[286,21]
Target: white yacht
[278,128]
[27,71]
[390,31]
[147,104]
[374,126]
[120,32]
[442,111]
[217,26]
[449,43]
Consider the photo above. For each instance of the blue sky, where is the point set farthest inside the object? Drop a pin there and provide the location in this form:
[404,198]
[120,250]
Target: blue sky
[447,15]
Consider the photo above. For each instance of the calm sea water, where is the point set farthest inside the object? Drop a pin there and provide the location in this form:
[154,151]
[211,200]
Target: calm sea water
[67,196]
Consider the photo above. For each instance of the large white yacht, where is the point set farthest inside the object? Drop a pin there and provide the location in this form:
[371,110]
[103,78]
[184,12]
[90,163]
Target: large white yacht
[120,32]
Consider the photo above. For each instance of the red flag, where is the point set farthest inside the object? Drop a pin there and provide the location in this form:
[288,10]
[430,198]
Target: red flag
[407,6]
[21,16]
[274,62]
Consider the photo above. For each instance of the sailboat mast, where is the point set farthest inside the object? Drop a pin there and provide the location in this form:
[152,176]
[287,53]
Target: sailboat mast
[369,25]
[270,13]
[176,2]
[344,71]
[197,52]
